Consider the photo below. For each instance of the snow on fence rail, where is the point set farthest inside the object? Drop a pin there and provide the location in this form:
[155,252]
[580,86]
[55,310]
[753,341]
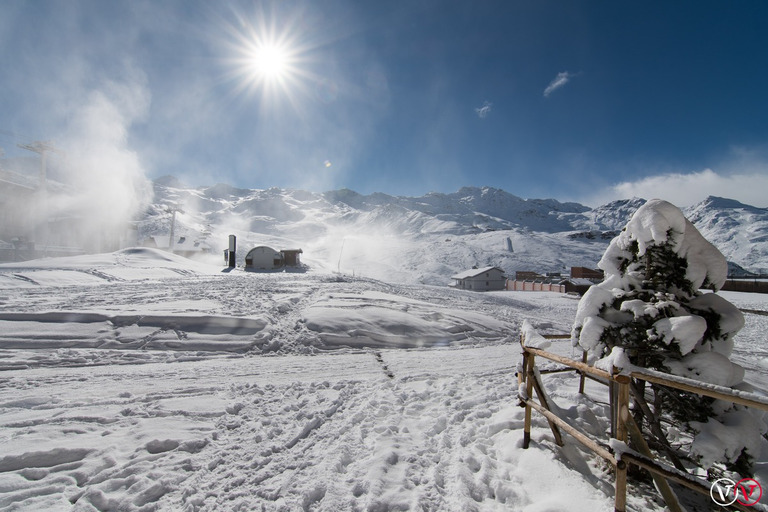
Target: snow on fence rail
[623,426]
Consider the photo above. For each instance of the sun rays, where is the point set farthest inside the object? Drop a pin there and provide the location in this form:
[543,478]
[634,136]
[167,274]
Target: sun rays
[268,57]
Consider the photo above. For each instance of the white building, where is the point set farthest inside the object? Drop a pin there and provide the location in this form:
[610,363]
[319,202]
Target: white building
[481,279]
[263,258]
[266,258]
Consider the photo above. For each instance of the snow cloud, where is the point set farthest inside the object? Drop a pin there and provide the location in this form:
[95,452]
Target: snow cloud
[685,189]
[102,183]
[107,173]
[559,81]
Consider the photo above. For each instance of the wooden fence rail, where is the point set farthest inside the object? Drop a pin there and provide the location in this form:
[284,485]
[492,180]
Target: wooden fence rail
[622,425]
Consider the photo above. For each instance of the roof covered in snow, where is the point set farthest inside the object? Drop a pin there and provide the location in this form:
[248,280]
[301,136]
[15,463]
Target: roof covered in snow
[474,272]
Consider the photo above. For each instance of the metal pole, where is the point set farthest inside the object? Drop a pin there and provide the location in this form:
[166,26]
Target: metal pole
[172,241]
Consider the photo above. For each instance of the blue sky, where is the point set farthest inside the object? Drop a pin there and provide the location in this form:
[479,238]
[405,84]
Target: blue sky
[576,100]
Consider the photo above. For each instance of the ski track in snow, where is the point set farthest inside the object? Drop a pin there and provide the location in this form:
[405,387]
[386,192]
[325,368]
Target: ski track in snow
[210,391]
[329,432]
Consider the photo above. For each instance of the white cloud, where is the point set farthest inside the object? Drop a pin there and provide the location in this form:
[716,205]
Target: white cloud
[482,112]
[560,80]
[685,189]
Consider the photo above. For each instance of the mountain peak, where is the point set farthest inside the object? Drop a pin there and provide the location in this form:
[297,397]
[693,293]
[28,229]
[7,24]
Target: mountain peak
[724,204]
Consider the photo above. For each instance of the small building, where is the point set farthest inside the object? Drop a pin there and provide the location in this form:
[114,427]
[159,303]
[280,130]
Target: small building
[481,279]
[578,285]
[524,275]
[586,273]
[291,257]
[266,258]
[263,258]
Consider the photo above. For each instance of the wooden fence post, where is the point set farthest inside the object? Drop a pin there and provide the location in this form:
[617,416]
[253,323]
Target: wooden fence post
[639,443]
[622,423]
[621,417]
[583,378]
[528,369]
[539,388]
[612,405]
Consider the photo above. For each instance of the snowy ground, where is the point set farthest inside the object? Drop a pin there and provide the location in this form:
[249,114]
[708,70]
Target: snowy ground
[143,381]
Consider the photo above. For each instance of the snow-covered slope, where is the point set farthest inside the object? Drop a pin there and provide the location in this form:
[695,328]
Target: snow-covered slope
[140,380]
[427,239]
[612,216]
[740,231]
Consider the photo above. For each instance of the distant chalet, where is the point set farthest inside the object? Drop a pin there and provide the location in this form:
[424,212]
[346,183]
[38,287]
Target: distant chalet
[481,279]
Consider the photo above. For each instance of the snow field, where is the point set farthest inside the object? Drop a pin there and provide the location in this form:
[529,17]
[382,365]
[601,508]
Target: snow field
[330,432]
[142,393]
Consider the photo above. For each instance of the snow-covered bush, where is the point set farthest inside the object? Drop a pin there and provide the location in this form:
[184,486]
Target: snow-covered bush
[650,310]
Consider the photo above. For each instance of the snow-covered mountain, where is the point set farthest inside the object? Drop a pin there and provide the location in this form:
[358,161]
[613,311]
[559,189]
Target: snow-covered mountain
[429,238]
[740,231]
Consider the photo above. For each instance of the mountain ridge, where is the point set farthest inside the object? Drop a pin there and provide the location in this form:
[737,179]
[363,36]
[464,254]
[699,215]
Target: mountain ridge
[431,237]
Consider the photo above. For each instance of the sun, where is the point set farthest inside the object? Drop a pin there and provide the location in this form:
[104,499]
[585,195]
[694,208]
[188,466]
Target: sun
[267,56]
[271,62]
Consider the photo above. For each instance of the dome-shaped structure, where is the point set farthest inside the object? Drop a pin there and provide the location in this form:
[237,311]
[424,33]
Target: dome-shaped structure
[263,258]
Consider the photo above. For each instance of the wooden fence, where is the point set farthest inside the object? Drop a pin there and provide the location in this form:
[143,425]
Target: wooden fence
[623,426]
[746,285]
[534,286]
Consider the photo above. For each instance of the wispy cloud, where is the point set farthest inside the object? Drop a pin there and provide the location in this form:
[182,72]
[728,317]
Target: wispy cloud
[560,81]
[483,111]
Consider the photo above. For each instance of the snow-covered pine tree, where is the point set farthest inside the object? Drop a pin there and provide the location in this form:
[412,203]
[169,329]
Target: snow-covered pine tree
[650,312]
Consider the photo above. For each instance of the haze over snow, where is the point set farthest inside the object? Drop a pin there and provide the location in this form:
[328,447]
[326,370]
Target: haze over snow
[429,238]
